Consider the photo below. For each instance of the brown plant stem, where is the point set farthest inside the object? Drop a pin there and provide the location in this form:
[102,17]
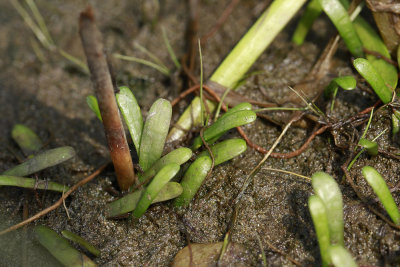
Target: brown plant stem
[102,83]
[57,204]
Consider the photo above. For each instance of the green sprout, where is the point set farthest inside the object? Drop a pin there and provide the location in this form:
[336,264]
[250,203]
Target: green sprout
[150,193]
[320,220]
[27,140]
[369,73]
[326,208]
[378,184]
[42,161]
[370,146]
[82,242]
[30,144]
[345,82]
[60,248]
[328,191]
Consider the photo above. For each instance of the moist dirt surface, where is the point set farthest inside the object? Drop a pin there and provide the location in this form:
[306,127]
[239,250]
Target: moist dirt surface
[46,92]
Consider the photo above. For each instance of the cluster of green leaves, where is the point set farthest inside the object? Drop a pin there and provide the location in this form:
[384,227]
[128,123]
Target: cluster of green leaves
[30,144]
[357,35]
[326,208]
[157,172]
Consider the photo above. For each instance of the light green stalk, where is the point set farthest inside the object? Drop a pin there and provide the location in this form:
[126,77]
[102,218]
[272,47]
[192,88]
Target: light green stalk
[255,41]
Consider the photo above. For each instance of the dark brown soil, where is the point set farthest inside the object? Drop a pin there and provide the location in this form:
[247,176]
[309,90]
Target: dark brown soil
[48,95]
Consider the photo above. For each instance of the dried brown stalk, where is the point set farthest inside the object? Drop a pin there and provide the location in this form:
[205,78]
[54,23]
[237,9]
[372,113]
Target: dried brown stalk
[102,83]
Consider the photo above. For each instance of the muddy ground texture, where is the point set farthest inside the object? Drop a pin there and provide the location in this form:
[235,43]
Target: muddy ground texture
[48,95]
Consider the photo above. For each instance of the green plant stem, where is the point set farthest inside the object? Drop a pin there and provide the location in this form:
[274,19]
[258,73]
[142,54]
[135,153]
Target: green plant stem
[255,41]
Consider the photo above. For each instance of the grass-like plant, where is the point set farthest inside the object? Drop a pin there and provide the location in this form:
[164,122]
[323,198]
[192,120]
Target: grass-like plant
[345,82]
[326,208]
[378,184]
[149,139]
[60,248]
[30,144]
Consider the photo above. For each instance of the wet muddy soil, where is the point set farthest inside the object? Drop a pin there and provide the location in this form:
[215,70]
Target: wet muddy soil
[46,92]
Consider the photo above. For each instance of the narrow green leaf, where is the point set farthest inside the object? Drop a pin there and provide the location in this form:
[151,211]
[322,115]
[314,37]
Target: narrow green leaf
[226,150]
[60,248]
[345,82]
[91,100]
[178,156]
[328,191]
[132,115]
[341,257]
[366,70]
[395,125]
[42,161]
[312,12]
[224,124]
[155,131]
[155,186]
[8,180]
[338,15]
[82,242]
[371,146]
[128,202]
[378,184]
[373,42]
[26,139]
[320,220]
[193,179]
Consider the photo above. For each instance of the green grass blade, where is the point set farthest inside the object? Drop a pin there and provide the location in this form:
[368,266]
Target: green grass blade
[128,202]
[155,186]
[132,115]
[42,161]
[226,150]
[170,50]
[26,139]
[224,124]
[177,156]
[91,100]
[341,257]
[155,131]
[326,188]
[193,179]
[338,15]
[320,220]
[8,180]
[312,12]
[150,64]
[373,42]
[378,184]
[82,242]
[40,21]
[60,248]
[257,38]
[372,147]
[368,72]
